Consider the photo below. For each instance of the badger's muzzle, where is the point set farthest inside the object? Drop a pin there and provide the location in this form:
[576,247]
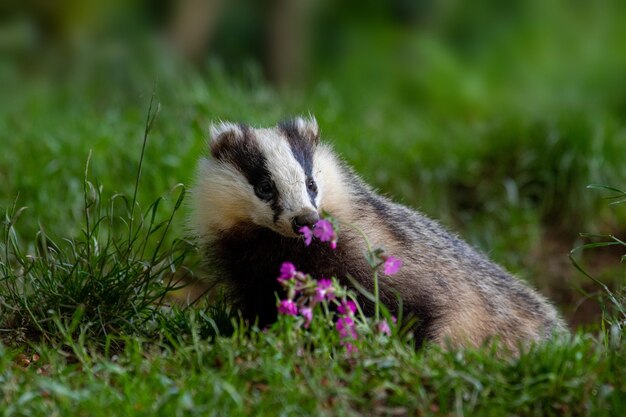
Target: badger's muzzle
[308,218]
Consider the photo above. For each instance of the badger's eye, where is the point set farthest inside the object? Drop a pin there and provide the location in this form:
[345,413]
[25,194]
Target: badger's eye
[311,185]
[265,190]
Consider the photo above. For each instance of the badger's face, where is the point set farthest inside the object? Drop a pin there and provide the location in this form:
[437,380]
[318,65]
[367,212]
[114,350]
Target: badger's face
[263,176]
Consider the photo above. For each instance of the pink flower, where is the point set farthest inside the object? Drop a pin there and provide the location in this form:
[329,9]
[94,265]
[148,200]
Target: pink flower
[383,328]
[350,348]
[288,307]
[347,308]
[307,233]
[323,230]
[392,265]
[287,272]
[307,313]
[333,244]
[324,290]
[346,328]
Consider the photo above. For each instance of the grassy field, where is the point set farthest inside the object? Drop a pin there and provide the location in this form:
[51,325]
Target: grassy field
[272,373]
[89,255]
[87,330]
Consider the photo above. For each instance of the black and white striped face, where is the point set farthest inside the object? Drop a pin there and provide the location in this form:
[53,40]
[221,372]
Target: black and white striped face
[264,176]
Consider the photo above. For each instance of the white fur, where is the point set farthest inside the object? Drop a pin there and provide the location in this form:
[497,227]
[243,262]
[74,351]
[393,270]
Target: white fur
[333,193]
[236,202]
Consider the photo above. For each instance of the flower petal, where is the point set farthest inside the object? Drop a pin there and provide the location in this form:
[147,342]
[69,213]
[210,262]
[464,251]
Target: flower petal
[287,271]
[323,230]
[307,233]
[288,307]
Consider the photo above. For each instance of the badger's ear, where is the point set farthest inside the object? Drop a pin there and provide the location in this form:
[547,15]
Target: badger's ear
[224,135]
[307,126]
[302,127]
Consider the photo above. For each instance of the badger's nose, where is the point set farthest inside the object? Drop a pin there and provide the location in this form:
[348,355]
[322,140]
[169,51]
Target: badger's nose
[308,218]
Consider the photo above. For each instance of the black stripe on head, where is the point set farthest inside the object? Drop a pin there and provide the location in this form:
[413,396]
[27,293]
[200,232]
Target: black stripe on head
[241,150]
[302,143]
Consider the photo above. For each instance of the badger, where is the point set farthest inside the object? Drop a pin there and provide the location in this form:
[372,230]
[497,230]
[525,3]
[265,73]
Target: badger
[260,186]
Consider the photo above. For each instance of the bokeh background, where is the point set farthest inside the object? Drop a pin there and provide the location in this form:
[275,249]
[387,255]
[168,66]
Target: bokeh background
[491,116]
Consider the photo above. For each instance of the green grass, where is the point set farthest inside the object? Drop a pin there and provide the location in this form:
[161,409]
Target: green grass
[274,373]
[112,278]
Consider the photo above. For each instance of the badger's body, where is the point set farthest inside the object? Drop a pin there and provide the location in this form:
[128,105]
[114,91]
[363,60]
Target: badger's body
[262,185]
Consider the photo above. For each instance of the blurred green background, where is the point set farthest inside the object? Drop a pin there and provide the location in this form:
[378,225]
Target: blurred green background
[490,116]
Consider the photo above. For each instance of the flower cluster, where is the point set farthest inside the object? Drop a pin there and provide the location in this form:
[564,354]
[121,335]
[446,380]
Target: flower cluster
[346,326]
[303,292]
[323,230]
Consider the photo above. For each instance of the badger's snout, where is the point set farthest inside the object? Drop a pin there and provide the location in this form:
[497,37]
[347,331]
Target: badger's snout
[308,218]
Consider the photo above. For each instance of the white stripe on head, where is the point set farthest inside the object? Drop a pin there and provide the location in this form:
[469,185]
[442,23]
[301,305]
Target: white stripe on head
[288,174]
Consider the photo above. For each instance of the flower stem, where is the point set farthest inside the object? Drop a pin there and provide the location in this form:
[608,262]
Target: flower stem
[376,296]
[374,267]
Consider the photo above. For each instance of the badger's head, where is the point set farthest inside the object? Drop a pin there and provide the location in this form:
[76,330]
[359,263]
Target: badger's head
[260,177]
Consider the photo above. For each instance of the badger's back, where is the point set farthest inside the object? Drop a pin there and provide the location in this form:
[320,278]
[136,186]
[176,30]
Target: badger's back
[454,292]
